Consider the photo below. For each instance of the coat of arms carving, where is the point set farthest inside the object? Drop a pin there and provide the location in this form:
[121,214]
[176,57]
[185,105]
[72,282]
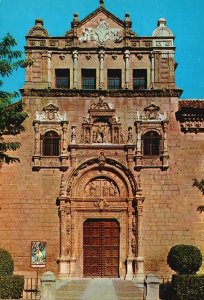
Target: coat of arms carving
[101,33]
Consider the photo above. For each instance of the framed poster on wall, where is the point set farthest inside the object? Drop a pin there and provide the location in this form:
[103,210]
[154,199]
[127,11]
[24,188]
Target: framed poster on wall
[38,254]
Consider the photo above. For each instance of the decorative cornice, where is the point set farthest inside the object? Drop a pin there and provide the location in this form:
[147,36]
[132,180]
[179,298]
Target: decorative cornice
[193,103]
[97,93]
[191,115]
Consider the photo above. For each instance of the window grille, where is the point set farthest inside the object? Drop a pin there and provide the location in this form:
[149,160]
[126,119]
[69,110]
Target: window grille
[114,79]
[151,143]
[139,79]
[62,77]
[51,144]
[88,79]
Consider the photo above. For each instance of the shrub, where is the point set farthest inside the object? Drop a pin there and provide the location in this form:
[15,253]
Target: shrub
[184,259]
[6,263]
[11,287]
[188,287]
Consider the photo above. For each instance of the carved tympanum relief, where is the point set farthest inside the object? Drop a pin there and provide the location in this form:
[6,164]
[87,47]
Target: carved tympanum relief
[101,187]
[100,33]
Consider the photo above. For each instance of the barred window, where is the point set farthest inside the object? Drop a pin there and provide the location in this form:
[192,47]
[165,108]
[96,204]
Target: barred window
[139,79]
[151,143]
[114,79]
[88,79]
[62,78]
[51,144]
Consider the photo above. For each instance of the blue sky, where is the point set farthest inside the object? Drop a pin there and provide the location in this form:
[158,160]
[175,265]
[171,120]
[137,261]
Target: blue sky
[184,17]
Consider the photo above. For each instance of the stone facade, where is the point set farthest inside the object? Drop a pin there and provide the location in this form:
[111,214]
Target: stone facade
[127,152]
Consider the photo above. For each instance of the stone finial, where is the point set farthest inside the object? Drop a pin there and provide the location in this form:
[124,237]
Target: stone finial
[127,17]
[39,22]
[101,3]
[162,30]
[75,17]
[38,29]
[161,22]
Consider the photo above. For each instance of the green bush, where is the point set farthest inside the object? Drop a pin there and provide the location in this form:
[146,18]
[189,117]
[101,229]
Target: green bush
[188,287]
[11,287]
[184,259]
[6,263]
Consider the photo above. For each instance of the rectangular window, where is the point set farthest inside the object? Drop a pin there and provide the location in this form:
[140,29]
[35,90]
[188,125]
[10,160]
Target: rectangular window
[88,79]
[62,78]
[139,79]
[114,79]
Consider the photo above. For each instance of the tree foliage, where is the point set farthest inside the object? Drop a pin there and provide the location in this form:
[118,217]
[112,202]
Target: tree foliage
[11,115]
[200,185]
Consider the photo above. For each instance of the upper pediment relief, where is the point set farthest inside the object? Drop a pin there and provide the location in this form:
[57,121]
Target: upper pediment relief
[101,31]
[100,28]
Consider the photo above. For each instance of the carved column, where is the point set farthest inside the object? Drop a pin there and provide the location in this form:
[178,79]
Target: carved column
[152,69]
[64,138]
[127,68]
[101,68]
[139,144]
[49,55]
[165,155]
[129,274]
[37,139]
[46,68]
[75,68]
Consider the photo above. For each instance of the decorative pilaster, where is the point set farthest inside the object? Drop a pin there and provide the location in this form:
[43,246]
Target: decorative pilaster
[75,68]
[129,275]
[127,68]
[139,144]
[65,236]
[139,276]
[101,68]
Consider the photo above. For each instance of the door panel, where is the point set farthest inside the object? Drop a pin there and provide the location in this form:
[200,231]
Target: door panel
[101,248]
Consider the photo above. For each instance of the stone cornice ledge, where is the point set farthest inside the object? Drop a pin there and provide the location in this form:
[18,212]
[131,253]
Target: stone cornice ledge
[97,93]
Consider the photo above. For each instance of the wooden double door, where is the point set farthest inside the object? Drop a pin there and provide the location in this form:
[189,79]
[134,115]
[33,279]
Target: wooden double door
[101,248]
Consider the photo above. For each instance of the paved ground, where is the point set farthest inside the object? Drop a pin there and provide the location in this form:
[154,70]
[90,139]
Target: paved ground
[98,289]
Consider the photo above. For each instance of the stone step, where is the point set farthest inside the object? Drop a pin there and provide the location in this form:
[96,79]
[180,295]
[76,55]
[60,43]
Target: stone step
[98,289]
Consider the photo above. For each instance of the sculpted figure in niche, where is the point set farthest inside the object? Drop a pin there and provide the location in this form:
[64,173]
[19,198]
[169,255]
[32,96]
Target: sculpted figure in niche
[87,136]
[112,190]
[92,189]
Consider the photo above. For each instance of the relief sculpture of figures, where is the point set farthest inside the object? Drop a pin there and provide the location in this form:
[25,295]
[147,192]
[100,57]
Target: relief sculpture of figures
[101,188]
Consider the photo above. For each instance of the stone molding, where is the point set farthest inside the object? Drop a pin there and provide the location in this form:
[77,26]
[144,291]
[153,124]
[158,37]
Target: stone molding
[96,93]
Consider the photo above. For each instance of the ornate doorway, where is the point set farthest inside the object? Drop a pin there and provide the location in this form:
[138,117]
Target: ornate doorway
[101,248]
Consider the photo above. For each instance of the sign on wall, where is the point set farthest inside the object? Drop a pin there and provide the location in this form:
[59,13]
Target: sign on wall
[38,254]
